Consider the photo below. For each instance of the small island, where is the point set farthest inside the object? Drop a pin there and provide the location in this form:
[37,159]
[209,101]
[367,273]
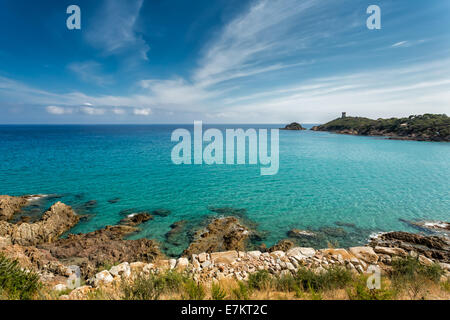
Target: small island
[293,126]
[427,127]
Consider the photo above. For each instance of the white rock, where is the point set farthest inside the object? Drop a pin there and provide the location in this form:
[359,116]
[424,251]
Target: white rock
[60,287]
[172,263]
[202,257]
[390,251]
[254,254]
[182,263]
[103,277]
[445,266]
[149,267]
[121,270]
[308,252]
[365,253]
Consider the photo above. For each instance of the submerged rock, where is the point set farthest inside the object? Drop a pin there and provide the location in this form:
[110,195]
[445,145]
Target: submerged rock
[161,212]
[57,220]
[296,233]
[177,234]
[222,234]
[228,211]
[114,200]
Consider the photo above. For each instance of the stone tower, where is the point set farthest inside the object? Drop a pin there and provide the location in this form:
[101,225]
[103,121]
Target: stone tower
[344,115]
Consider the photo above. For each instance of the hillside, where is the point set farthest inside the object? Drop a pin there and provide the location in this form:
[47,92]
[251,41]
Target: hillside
[427,127]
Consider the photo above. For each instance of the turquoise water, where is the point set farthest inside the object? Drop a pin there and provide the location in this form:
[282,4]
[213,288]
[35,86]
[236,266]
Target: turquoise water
[323,179]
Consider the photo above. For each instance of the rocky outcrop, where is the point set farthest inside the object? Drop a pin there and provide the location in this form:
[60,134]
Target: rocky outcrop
[10,205]
[221,234]
[57,220]
[433,247]
[92,250]
[282,245]
[293,126]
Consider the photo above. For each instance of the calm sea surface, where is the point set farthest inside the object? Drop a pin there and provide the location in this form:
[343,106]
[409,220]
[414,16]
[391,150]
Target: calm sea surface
[343,187]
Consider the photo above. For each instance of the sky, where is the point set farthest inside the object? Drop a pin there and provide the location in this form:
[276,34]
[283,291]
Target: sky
[221,61]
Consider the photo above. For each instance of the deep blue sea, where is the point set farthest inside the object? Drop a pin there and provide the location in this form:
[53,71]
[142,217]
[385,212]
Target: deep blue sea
[345,187]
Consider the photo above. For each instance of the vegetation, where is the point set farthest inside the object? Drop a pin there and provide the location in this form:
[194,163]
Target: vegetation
[435,127]
[15,283]
[409,279]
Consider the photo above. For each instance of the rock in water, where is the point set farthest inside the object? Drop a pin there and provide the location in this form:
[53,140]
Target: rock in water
[293,126]
[57,220]
[10,205]
[222,234]
[136,219]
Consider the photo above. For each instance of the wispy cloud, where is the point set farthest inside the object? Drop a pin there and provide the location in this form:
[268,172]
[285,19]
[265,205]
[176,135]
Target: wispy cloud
[90,71]
[114,28]
[142,112]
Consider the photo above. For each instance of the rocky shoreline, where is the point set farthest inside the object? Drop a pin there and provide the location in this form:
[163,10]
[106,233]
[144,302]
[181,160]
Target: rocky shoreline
[217,251]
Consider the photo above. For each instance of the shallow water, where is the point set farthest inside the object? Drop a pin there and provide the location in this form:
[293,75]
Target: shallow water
[323,179]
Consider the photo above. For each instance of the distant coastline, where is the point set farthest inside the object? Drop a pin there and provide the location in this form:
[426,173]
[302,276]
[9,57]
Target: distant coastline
[427,127]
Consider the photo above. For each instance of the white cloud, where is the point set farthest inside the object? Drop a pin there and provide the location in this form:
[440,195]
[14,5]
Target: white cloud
[118,111]
[92,111]
[58,110]
[142,112]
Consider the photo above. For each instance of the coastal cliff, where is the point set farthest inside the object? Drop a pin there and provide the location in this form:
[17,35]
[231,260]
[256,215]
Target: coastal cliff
[427,127]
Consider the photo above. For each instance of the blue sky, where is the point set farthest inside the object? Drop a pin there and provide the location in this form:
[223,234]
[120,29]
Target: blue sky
[224,61]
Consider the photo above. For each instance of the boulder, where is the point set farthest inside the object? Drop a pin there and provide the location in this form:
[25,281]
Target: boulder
[102,278]
[121,270]
[390,251]
[227,257]
[365,253]
[182,263]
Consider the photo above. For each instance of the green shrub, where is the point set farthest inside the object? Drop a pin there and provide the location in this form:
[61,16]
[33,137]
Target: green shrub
[360,291]
[286,283]
[410,275]
[259,280]
[410,269]
[193,290]
[332,278]
[17,284]
[149,287]
[242,292]
[217,293]
[173,281]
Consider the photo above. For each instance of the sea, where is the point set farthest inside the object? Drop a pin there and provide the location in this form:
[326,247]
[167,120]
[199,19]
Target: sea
[343,188]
